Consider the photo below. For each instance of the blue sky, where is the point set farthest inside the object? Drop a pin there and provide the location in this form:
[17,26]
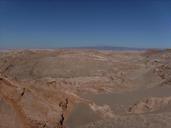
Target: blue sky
[76,23]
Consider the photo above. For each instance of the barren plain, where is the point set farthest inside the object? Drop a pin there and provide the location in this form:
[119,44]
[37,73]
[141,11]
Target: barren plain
[85,88]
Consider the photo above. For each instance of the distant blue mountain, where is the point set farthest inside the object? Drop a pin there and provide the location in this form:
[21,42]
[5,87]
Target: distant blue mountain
[95,47]
[114,48]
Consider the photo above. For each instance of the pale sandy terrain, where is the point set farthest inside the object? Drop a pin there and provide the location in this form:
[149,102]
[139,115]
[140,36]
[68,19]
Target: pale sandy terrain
[72,88]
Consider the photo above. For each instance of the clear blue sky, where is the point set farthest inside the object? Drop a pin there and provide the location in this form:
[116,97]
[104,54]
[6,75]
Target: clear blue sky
[71,23]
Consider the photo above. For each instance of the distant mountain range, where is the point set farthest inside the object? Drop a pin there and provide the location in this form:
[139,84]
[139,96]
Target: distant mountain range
[90,47]
[113,48]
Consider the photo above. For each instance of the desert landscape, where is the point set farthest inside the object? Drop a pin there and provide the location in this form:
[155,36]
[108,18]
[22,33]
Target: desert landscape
[85,88]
